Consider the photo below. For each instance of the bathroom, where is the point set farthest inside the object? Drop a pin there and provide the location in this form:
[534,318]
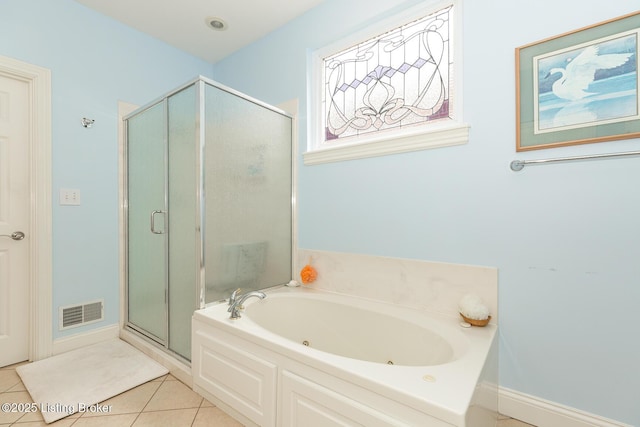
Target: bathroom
[563,237]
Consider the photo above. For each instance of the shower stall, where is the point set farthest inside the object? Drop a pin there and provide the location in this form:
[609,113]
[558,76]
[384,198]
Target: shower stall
[208,206]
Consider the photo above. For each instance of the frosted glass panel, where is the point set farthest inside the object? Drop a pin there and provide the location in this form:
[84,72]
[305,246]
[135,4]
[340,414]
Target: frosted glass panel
[184,260]
[248,195]
[146,194]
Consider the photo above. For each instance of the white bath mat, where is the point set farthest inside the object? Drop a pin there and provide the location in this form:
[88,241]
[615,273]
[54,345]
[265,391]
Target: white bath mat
[78,380]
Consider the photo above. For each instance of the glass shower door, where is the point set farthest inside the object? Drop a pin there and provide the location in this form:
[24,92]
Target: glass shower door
[147,222]
[163,220]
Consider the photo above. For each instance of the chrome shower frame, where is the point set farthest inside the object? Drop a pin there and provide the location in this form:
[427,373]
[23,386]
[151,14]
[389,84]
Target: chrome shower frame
[200,82]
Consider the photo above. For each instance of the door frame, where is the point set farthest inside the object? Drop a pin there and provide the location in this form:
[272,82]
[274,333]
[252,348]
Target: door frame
[38,80]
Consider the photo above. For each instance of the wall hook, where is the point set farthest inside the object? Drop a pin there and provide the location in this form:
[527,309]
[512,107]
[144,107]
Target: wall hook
[87,122]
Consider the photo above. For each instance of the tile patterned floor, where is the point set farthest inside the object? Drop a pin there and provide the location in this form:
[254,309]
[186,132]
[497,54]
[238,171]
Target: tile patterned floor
[162,402]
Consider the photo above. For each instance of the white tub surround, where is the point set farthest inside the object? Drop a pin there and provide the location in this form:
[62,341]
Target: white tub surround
[260,369]
[422,285]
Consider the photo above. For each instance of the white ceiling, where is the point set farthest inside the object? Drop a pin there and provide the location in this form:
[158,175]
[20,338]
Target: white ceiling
[183,23]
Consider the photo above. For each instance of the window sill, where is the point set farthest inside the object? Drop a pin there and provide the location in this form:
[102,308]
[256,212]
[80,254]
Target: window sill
[457,135]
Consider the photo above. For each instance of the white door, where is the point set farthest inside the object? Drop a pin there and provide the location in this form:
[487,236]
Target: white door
[14,220]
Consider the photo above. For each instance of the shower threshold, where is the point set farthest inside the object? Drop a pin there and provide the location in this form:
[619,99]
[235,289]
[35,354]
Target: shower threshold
[177,365]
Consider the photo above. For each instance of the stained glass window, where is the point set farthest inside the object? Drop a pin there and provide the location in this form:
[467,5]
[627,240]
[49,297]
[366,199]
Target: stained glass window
[397,80]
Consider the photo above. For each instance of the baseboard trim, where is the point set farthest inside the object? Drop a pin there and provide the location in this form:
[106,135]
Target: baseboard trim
[62,345]
[544,413]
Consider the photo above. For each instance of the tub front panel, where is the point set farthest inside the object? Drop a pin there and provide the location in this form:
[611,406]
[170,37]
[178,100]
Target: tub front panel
[236,374]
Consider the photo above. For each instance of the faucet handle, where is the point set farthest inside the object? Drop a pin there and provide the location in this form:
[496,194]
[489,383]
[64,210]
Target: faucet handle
[234,296]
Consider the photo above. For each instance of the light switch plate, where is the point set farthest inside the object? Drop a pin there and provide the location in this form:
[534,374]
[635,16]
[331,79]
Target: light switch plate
[69,197]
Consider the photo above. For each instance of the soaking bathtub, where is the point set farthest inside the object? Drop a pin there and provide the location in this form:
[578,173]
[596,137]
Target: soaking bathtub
[304,357]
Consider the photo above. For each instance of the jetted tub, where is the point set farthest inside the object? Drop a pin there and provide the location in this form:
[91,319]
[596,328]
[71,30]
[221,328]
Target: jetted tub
[358,333]
[308,357]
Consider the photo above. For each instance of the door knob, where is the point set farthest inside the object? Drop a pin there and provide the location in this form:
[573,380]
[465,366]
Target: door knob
[16,235]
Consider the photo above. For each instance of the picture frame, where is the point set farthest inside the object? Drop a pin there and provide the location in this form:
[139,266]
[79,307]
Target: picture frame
[579,87]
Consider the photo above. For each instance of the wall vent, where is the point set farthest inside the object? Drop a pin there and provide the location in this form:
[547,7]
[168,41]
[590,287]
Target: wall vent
[77,315]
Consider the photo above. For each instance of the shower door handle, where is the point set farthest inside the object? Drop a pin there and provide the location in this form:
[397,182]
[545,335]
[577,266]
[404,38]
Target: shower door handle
[153,222]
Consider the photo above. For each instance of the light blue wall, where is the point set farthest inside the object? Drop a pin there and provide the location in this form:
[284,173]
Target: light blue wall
[565,237]
[94,63]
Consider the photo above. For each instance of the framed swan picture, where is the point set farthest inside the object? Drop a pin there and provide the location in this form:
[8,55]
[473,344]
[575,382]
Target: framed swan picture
[579,87]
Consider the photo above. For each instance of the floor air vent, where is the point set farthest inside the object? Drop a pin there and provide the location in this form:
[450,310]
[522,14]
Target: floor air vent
[78,315]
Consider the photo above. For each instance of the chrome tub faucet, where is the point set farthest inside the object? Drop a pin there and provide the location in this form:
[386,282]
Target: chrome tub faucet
[236,301]
[234,296]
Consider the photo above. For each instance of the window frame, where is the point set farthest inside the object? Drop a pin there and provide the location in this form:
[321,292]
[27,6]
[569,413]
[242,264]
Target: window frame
[436,134]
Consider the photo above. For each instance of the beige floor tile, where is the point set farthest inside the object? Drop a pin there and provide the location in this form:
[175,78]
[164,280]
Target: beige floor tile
[173,395]
[121,420]
[65,422]
[9,417]
[206,404]
[8,379]
[17,398]
[17,387]
[214,417]
[129,402]
[164,401]
[36,419]
[174,418]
